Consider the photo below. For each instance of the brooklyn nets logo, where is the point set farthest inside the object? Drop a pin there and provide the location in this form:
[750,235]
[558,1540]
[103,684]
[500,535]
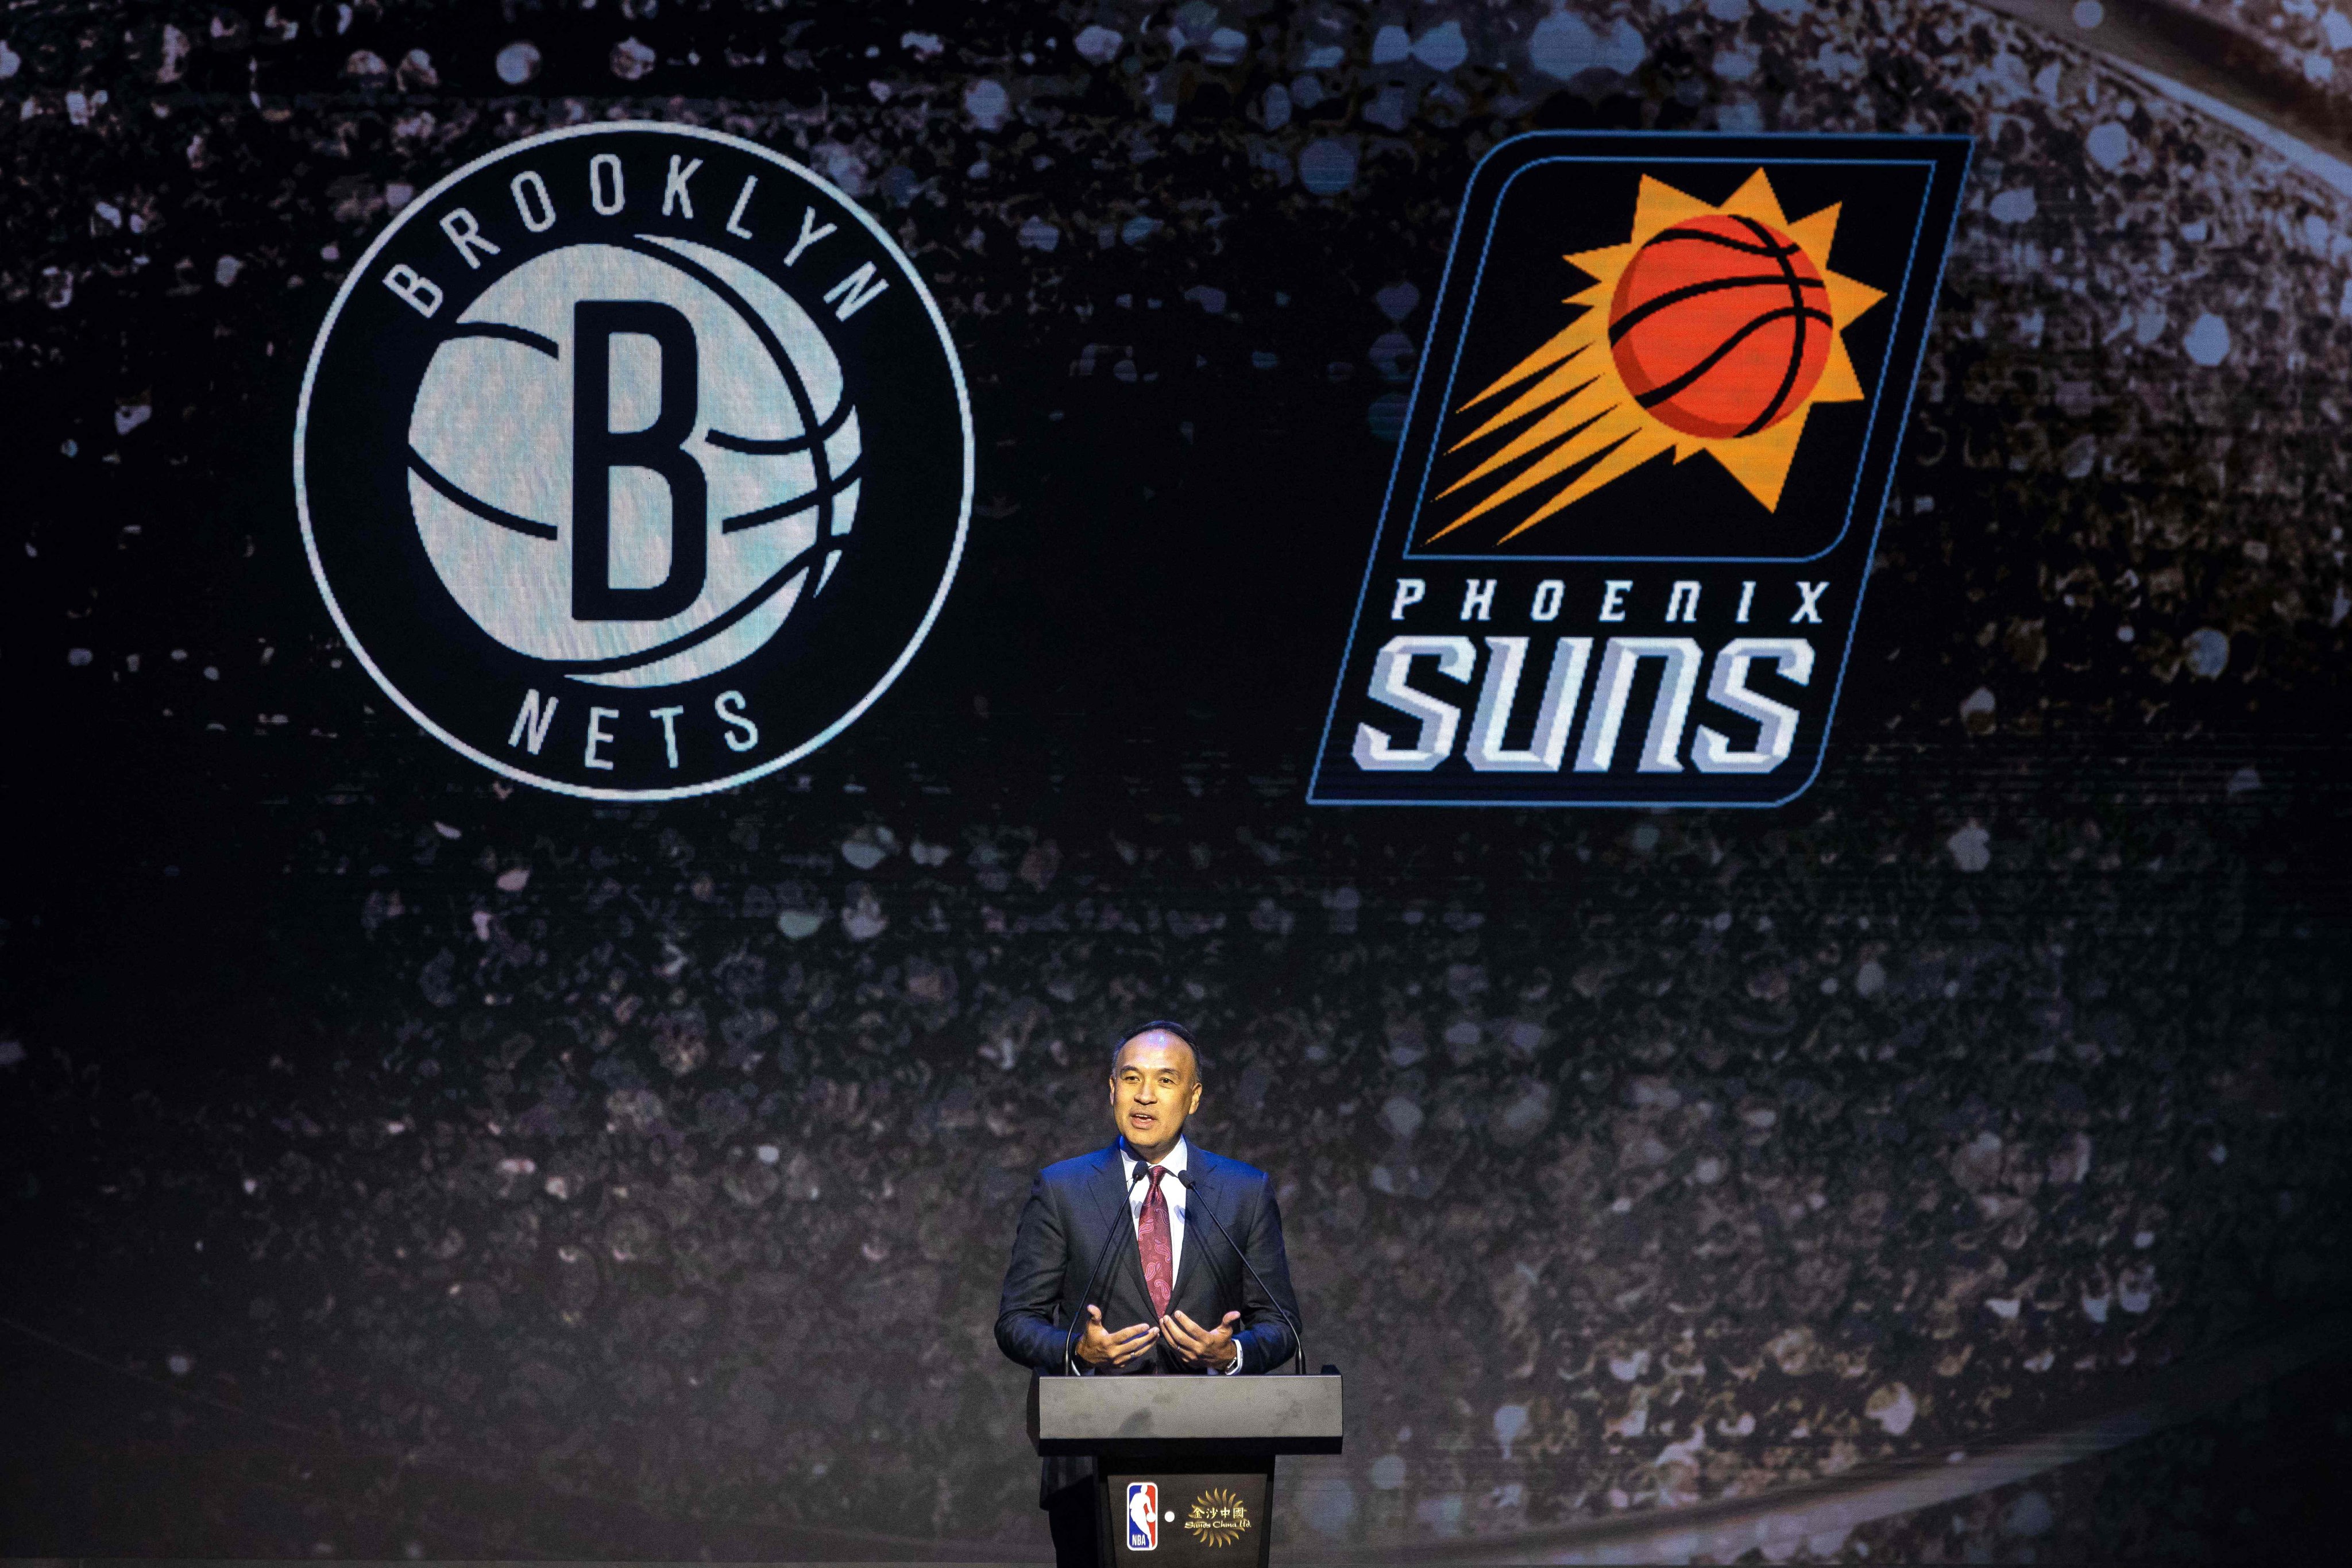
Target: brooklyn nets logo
[634,461]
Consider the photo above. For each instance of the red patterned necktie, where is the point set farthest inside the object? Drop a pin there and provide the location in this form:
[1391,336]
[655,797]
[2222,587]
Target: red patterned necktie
[1151,1236]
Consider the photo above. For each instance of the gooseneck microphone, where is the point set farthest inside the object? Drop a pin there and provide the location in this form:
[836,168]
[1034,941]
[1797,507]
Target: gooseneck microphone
[1297,1339]
[1109,1246]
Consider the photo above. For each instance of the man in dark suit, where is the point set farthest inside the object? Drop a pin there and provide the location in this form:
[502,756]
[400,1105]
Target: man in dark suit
[1166,1271]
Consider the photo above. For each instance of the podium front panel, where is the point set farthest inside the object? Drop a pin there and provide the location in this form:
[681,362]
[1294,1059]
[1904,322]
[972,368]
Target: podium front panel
[1173,1517]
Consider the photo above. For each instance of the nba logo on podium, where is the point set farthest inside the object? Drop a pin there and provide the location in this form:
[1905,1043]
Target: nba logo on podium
[1143,1515]
[1639,485]
[634,461]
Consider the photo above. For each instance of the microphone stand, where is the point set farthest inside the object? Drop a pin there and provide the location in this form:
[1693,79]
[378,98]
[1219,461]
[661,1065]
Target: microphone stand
[1299,1340]
[1079,1325]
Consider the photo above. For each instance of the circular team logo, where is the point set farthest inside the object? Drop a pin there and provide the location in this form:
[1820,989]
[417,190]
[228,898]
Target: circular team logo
[634,461]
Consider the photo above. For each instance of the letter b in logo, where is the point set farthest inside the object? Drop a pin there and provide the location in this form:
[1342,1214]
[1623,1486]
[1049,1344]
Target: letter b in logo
[597,449]
[613,466]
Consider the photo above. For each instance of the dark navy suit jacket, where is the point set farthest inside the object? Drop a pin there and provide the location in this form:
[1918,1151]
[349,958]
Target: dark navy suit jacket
[1078,1205]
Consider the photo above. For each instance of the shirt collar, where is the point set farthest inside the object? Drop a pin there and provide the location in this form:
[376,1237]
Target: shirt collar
[1173,1161]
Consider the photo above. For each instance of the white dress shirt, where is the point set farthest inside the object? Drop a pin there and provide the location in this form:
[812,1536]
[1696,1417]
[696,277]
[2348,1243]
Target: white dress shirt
[1173,1161]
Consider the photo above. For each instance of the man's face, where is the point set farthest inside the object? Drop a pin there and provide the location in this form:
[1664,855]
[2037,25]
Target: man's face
[1154,1085]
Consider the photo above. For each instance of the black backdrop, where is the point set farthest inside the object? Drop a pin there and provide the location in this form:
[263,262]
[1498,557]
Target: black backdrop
[394,1162]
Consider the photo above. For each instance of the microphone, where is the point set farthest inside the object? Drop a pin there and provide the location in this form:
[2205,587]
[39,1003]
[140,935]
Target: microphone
[1298,1362]
[1110,1242]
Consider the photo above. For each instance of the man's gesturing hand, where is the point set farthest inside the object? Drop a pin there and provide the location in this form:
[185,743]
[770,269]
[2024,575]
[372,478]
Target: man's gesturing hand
[1198,1346]
[1101,1347]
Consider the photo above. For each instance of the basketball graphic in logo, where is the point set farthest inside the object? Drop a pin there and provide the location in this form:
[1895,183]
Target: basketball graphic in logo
[1719,326]
[1712,328]
[774,492]
[634,461]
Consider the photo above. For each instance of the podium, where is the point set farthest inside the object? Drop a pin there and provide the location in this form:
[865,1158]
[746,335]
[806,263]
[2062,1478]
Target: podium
[1184,1465]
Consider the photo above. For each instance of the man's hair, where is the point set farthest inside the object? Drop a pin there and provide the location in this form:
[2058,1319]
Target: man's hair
[1165,1026]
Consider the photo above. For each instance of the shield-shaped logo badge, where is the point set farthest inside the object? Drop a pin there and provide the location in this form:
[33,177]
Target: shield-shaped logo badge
[1638,491]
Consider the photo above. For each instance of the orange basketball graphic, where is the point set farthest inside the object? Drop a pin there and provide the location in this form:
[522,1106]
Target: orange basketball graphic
[1713,327]
[1720,326]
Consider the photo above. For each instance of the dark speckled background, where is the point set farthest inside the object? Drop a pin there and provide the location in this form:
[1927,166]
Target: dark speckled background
[395,1163]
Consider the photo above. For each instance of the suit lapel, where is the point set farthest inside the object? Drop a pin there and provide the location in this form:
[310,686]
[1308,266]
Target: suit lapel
[1198,1230]
[1108,1198]
[1110,1226]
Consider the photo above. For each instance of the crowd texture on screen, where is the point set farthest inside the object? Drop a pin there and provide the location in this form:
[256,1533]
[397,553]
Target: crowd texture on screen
[662,1165]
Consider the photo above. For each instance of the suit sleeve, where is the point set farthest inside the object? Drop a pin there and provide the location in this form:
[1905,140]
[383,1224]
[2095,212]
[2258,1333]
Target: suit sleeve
[1266,1341]
[1026,1329]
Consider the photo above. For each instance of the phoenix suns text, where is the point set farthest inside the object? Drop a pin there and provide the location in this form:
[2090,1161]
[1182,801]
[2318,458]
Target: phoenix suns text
[1452,678]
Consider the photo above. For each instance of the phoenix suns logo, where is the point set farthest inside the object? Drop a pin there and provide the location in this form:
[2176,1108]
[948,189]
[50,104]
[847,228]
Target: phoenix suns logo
[634,461]
[1636,495]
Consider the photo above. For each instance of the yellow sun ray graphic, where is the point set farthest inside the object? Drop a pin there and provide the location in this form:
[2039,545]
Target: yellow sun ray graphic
[1572,423]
